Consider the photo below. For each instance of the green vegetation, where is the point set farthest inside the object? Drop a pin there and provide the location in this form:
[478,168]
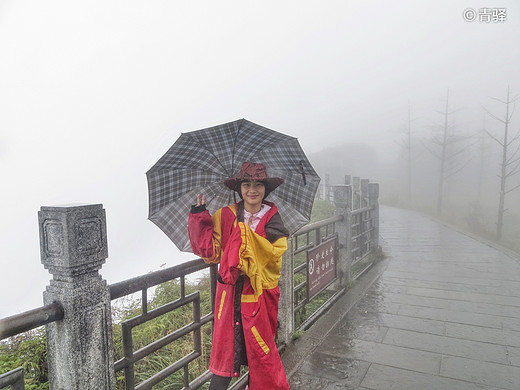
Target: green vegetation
[310,308]
[321,209]
[27,350]
[297,334]
[372,258]
[166,324]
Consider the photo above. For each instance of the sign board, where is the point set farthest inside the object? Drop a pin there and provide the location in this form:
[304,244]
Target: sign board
[321,266]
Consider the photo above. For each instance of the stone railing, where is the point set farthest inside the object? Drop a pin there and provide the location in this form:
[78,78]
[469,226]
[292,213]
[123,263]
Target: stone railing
[77,311]
[345,244]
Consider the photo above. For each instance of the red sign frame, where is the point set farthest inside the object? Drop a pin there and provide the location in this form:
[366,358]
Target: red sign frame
[321,266]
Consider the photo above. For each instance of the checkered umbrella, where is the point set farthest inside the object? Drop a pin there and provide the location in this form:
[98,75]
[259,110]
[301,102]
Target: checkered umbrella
[200,161]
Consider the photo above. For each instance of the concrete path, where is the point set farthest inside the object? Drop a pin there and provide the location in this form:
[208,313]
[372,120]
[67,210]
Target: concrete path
[441,313]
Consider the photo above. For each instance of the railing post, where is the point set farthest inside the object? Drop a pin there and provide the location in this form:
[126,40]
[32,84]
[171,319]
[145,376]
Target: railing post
[286,303]
[73,246]
[321,191]
[343,206]
[364,193]
[373,199]
[356,193]
[327,187]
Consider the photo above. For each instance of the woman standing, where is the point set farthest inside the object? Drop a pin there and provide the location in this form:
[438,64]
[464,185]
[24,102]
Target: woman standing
[248,239]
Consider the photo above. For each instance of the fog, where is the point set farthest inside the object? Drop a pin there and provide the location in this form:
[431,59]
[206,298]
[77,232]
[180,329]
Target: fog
[93,93]
[469,197]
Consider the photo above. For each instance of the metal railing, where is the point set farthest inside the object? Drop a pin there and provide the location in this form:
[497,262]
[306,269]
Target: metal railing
[142,284]
[13,378]
[21,323]
[32,319]
[306,239]
[354,234]
[362,238]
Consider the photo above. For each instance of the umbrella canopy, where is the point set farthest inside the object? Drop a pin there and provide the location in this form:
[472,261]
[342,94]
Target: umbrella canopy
[199,162]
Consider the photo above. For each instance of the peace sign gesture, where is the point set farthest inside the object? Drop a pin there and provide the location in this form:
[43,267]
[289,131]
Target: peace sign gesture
[199,202]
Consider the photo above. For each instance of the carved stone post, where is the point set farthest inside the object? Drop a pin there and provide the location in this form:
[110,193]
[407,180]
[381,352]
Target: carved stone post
[373,196]
[286,303]
[364,193]
[356,193]
[327,187]
[343,204]
[73,246]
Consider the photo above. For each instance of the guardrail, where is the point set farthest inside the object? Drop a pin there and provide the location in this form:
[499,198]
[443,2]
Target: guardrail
[351,236]
[364,240]
[142,284]
[303,242]
[14,379]
[324,257]
[29,320]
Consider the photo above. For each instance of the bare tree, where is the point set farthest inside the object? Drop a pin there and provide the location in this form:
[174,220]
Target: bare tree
[483,153]
[510,163]
[409,155]
[447,148]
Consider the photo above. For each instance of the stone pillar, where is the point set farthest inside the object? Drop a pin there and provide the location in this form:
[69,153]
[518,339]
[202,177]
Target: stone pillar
[73,246]
[327,187]
[343,206]
[356,193]
[321,191]
[286,303]
[364,192]
[373,199]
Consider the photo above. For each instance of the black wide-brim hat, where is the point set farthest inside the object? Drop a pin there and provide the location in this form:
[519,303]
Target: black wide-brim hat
[253,171]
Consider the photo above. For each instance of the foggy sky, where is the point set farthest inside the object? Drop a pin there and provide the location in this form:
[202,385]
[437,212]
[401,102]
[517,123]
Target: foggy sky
[93,93]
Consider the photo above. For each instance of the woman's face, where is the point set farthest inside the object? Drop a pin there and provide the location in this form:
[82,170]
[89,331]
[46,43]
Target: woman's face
[253,193]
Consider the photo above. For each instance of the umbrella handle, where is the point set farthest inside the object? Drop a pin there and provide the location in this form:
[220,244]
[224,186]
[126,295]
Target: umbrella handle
[303,173]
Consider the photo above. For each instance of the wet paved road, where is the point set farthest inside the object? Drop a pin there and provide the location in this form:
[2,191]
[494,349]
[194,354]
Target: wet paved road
[443,315]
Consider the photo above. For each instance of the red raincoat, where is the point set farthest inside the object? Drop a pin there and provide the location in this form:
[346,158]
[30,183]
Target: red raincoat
[246,303]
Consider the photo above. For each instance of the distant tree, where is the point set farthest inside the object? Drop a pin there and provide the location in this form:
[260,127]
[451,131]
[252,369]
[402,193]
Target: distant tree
[409,154]
[482,156]
[477,208]
[447,147]
[510,164]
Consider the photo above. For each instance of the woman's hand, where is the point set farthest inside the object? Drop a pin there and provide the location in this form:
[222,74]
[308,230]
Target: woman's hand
[199,200]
